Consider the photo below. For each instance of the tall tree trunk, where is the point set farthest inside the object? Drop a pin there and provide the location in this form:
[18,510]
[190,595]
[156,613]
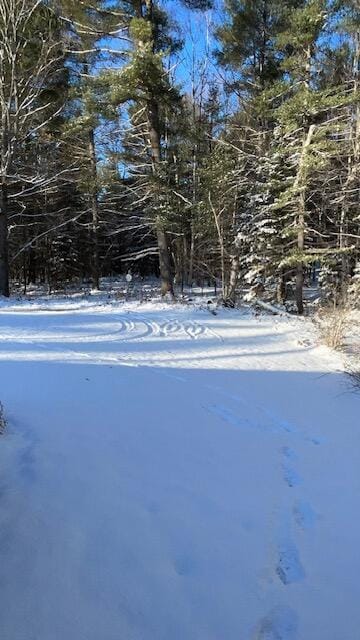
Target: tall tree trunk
[230,299]
[145,8]
[95,267]
[299,282]
[234,262]
[220,234]
[300,184]
[191,255]
[281,288]
[178,260]
[4,259]
[344,276]
[165,265]
[164,261]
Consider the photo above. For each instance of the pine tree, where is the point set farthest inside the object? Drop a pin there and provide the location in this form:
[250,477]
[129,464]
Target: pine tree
[310,120]
[249,51]
[88,24]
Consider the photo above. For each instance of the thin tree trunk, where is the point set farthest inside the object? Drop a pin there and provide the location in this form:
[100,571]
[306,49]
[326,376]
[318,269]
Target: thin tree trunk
[185,262]
[191,256]
[234,262]
[194,196]
[4,244]
[281,289]
[166,271]
[230,299]
[219,229]
[4,259]
[24,262]
[343,244]
[299,282]
[95,268]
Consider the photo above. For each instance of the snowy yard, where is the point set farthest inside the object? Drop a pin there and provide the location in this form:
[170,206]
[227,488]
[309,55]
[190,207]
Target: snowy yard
[167,474]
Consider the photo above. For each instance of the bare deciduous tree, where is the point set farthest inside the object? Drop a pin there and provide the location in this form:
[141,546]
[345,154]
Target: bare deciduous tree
[30,55]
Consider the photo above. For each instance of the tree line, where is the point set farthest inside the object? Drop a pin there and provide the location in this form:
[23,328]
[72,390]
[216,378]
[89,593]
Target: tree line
[242,170]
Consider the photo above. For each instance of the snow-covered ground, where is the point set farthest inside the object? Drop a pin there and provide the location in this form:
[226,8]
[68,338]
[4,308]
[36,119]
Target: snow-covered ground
[168,474]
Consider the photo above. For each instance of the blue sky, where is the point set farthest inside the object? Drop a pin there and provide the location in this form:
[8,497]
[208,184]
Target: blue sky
[198,32]
[195,60]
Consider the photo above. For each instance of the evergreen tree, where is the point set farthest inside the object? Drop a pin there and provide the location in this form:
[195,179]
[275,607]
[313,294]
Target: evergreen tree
[310,121]
[249,50]
[89,24]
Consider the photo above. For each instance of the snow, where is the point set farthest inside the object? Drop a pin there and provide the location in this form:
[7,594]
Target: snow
[171,474]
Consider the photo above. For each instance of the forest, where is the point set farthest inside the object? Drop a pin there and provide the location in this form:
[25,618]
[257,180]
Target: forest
[196,141]
[179,319]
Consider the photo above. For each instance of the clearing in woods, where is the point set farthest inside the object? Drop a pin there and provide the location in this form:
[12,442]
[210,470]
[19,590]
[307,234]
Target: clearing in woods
[171,474]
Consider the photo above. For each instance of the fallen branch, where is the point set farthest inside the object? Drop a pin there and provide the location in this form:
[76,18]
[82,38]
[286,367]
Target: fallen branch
[271,308]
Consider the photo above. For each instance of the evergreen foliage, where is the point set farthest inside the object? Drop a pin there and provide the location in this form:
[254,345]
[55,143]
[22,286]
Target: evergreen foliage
[247,178]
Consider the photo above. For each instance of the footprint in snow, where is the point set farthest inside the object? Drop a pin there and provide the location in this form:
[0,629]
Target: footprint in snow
[290,475]
[289,567]
[27,464]
[315,440]
[228,416]
[280,624]
[184,565]
[305,516]
[289,453]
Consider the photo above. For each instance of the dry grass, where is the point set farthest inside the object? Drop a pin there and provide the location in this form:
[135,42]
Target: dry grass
[334,323]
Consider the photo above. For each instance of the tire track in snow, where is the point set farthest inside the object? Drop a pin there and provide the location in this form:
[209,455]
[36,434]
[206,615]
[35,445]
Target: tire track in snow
[173,327]
[127,327]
